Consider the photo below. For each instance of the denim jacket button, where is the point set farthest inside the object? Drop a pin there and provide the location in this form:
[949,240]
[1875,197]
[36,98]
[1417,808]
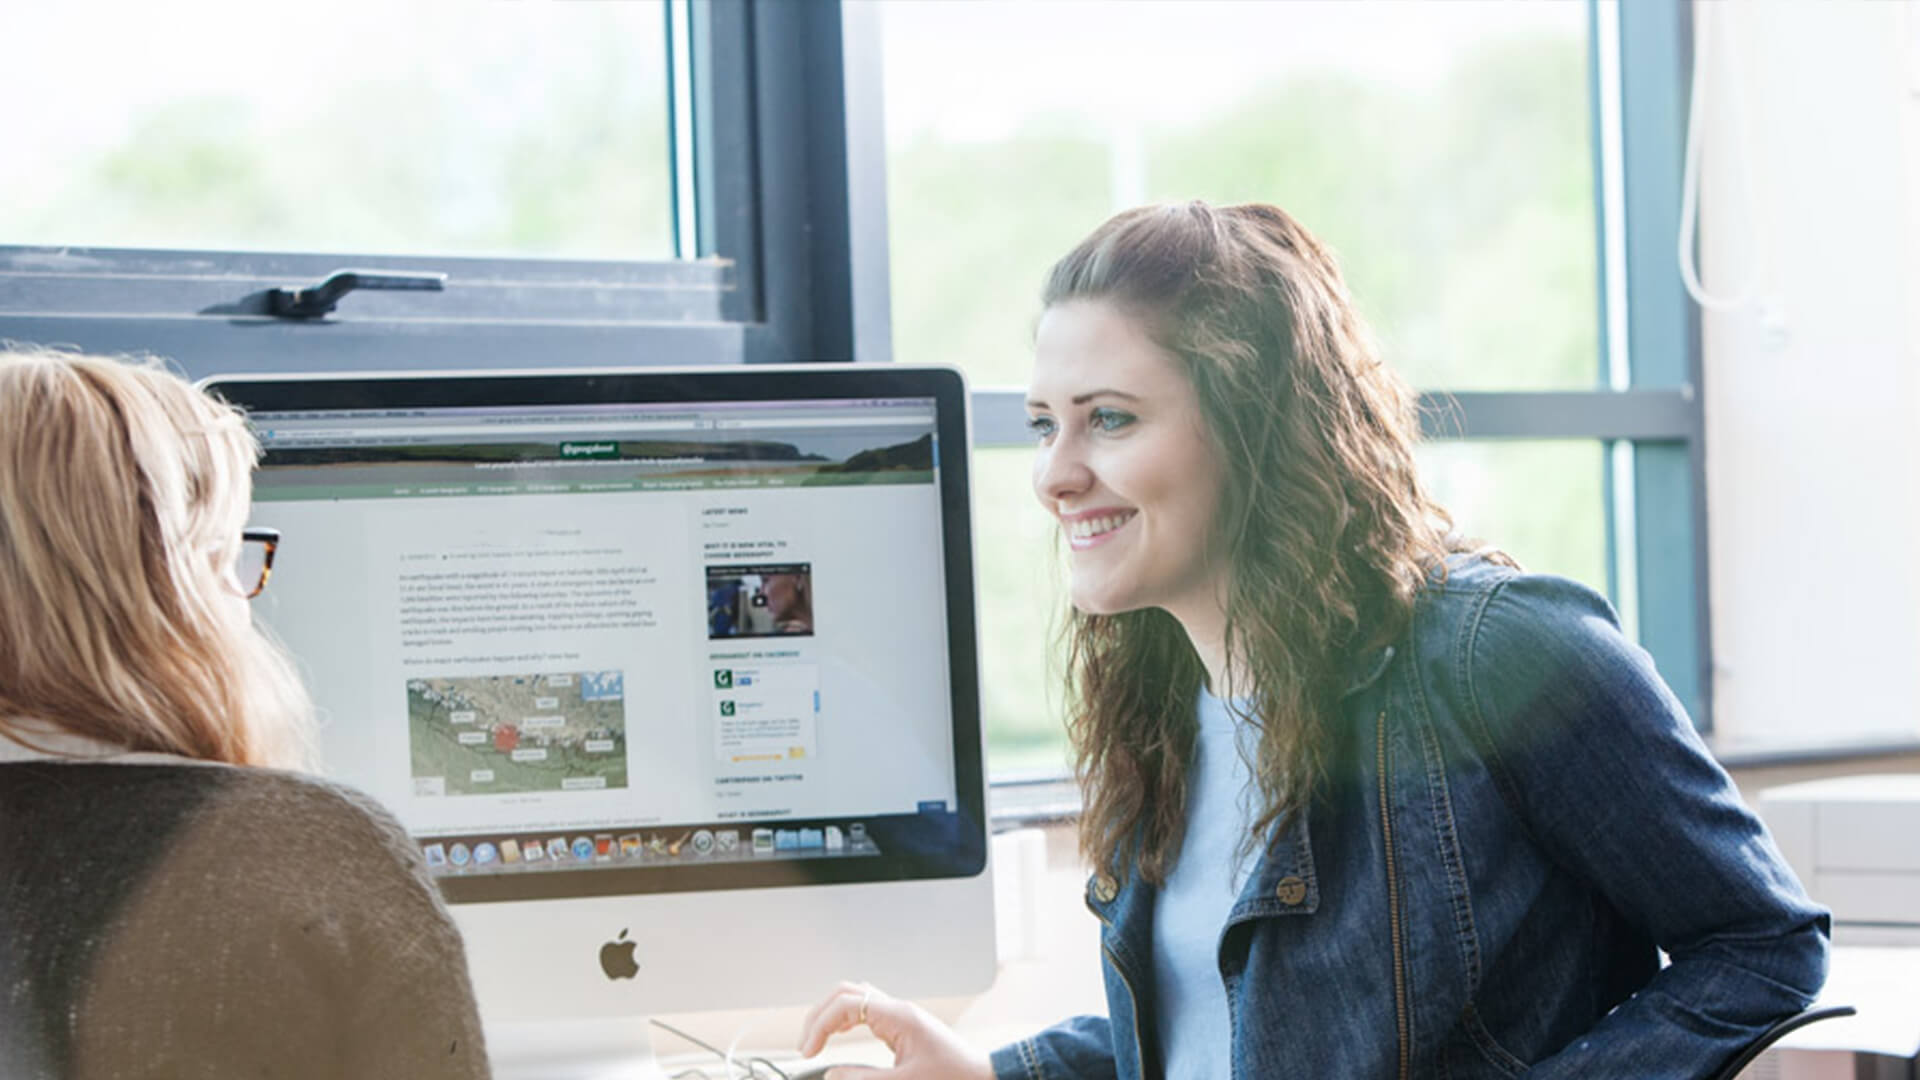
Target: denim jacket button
[1291,891]
[1104,889]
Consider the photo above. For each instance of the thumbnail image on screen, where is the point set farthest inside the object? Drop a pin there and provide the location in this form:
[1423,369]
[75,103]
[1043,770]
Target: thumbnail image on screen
[762,600]
[509,734]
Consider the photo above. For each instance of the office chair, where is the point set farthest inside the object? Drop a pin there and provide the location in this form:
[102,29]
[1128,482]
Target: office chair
[1773,1034]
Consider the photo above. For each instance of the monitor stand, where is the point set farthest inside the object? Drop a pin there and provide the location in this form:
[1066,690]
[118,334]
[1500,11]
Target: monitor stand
[598,1049]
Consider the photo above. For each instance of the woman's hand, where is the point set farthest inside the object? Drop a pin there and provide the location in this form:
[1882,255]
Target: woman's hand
[923,1047]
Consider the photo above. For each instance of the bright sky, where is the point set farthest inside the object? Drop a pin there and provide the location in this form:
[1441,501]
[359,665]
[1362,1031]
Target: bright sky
[80,68]
[976,68]
[77,73]
[967,68]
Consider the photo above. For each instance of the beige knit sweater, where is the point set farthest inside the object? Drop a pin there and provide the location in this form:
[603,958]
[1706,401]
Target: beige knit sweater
[179,920]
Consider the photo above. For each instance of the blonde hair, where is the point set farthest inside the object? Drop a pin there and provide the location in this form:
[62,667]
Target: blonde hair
[123,492]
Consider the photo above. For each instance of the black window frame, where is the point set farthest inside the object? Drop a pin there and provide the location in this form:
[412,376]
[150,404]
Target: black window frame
[768,281]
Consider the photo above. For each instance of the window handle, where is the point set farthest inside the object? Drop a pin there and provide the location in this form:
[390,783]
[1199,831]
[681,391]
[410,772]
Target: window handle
[297,303]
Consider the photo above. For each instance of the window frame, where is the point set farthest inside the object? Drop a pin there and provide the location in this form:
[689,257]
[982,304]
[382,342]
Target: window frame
[1666,478]
[769,282]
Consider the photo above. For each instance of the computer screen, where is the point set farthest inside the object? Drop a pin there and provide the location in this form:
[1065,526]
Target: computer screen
[671,674]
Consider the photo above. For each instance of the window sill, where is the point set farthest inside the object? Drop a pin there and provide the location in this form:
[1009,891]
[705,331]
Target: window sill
[1018,801]
[1765,756]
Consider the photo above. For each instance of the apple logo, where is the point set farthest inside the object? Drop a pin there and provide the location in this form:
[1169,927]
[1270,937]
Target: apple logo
[616,958]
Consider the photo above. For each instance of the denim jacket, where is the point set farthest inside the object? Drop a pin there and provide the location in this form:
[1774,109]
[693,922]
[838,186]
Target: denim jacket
[1518,819]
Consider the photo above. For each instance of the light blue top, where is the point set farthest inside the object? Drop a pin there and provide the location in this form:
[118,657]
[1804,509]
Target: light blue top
[1191,909]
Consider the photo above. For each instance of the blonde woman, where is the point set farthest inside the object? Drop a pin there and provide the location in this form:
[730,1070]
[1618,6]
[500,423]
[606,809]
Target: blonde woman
[172,903]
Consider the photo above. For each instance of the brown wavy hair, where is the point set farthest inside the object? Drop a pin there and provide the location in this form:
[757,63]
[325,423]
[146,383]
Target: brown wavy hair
[1328,533]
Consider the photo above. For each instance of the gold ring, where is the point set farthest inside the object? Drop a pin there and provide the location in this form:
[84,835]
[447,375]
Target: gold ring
[864,998]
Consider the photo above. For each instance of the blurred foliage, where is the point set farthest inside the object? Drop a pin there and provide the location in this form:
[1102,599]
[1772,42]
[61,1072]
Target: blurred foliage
[504,143]
[1463,217]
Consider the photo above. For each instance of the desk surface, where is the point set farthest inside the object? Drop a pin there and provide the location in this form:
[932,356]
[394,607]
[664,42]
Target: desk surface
[1883,982]
[1057,974]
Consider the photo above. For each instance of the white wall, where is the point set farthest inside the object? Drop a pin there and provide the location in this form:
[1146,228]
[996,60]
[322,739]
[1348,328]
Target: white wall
[1812,402]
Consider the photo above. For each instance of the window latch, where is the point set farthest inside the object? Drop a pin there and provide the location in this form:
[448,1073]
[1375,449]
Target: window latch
[297,303]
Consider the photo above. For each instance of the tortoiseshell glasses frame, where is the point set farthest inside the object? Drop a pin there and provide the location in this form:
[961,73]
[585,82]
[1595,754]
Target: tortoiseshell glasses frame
[256,560]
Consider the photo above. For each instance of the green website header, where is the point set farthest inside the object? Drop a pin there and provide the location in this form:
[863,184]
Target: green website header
[288,487]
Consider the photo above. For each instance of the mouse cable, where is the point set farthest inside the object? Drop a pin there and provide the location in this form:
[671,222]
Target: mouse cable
[751,1063]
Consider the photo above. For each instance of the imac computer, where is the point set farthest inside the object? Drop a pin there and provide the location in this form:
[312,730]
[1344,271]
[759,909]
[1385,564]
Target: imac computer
[671,674]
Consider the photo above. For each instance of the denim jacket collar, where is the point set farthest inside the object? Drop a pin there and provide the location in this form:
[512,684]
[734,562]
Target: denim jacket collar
[1283,881]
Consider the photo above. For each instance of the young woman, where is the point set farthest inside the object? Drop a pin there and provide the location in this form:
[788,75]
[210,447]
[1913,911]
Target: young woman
[166,909]
[1361,802]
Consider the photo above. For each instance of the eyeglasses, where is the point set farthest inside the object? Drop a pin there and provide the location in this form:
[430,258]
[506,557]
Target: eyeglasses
[256,560]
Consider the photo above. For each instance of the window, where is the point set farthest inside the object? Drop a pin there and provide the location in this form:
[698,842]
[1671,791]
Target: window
[1543,501]
[1022,586]
[714,181]
[434,128]
[601,184]
[1449,154]
[1443,151]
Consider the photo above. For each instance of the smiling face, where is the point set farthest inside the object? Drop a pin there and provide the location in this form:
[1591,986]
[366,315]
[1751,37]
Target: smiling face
[1125,465]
